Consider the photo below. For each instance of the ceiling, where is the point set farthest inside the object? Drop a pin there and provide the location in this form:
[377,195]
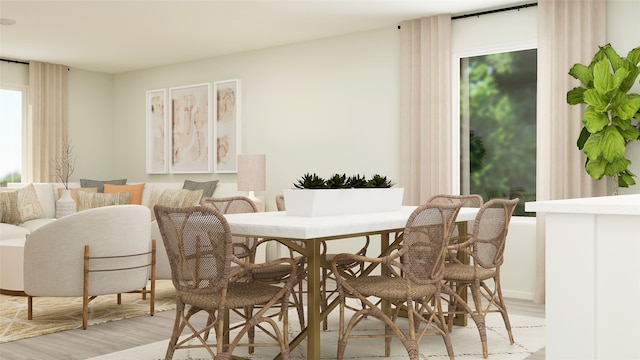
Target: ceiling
[115,36]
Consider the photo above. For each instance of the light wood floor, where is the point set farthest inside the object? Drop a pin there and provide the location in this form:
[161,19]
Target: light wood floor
[124,334]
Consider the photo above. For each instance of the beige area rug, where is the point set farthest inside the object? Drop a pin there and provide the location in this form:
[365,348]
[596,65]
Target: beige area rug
[528,332]
[52,314]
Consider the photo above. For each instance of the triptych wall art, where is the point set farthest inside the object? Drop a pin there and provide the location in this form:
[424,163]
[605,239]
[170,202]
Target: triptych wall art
[193,128]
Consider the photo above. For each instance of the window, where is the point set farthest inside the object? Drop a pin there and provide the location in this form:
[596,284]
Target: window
[497,122]
[12,123]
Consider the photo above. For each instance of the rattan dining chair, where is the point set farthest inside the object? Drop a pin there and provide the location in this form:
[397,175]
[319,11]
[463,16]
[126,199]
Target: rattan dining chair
[246,248]
[350,266]
[457,236]
[412,282]
[199,245]
[485,246]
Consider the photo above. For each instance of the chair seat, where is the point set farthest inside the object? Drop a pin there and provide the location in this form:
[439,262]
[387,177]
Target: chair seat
[343,262]
[239,294]
[390,288]
[271,273]
[461,272]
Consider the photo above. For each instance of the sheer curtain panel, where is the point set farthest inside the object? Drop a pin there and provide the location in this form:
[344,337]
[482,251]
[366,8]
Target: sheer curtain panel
[425,108]
[48,119]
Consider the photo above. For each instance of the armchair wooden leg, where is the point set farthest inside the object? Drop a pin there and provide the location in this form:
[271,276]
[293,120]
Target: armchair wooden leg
[85,289]
[30,307]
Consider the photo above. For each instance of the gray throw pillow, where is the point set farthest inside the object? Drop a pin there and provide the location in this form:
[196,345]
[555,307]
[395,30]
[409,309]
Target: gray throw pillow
[85,183]
[207,186]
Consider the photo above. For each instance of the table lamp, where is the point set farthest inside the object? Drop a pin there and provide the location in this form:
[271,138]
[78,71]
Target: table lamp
[252,172]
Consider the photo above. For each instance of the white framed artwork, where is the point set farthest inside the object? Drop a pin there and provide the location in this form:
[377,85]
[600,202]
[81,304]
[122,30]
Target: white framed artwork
[157,135]
[191,129]
[227,125]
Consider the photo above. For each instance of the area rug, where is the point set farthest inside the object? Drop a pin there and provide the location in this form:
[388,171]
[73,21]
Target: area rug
[52,314]
[528,332]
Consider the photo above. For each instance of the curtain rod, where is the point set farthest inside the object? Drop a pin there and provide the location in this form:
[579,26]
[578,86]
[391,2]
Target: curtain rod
[14,61]
[517,7]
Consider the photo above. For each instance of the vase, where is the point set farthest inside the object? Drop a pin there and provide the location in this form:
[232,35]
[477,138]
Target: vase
[329,202]
[65,204]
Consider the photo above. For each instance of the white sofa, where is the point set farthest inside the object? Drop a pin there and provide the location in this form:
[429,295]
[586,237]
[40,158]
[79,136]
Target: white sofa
[12,236]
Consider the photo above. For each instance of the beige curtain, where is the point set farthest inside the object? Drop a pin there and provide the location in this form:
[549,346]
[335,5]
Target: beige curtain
[568,32]
[48,119]
[425,108]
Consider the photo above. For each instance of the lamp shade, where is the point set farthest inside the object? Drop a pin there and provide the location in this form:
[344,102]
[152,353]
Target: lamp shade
[252,172]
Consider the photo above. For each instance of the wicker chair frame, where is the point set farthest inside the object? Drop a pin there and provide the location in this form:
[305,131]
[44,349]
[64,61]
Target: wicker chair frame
[412,283]
[199,245]
[485,246]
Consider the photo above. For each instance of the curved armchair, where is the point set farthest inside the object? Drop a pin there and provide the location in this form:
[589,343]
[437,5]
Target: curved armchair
[95,252]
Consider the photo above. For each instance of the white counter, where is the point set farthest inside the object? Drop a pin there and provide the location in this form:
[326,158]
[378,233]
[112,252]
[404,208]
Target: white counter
[592,277]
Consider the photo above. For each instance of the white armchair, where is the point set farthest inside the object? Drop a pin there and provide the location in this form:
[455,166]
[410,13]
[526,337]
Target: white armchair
[100,251]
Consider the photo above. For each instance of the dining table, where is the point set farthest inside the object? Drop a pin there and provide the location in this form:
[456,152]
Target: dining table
[312,231]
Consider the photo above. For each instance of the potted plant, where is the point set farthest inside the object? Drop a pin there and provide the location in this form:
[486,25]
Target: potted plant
[341,194]
[64,166]
[611,119]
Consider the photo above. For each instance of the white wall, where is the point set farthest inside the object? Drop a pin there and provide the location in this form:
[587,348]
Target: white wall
[327,106]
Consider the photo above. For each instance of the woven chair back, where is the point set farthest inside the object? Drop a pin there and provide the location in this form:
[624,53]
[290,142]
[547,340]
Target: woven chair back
[245,246]
[280,203]
[490,232]
[472,200]
[425,239]
[198,243]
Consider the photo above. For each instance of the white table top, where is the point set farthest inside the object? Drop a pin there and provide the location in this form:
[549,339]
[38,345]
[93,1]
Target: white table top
[279,225]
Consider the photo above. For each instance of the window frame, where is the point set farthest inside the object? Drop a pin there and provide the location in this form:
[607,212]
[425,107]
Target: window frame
[24,169]
[456,57]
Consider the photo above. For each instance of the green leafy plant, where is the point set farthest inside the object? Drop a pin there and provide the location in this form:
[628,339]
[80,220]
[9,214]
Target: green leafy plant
[309,181]
[357,181]
[611,119]
[337,181]
[379,181]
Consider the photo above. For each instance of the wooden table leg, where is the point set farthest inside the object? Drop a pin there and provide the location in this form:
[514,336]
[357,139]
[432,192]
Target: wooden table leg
[313,300]
[461,319]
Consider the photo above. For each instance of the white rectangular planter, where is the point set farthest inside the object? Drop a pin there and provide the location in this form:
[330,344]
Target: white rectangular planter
[326,202]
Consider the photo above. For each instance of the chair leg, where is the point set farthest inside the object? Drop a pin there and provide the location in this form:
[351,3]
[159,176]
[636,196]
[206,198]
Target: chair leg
[30,307]
[176,331]
[478,318]
[503,309]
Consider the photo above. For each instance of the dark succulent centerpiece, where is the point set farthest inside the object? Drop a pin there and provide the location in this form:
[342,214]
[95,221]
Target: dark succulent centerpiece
[341,194]
[341,181]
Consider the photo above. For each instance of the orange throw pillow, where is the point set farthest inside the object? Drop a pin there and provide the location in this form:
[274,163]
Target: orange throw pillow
[134,189]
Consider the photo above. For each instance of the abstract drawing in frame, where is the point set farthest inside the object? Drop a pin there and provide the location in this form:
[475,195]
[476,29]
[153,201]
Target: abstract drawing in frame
[157,137]
[191,129]
[227,122]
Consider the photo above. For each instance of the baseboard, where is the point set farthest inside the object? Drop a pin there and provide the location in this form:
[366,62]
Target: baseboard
[522,295]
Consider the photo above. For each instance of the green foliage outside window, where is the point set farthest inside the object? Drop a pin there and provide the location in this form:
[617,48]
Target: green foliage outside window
[501,107]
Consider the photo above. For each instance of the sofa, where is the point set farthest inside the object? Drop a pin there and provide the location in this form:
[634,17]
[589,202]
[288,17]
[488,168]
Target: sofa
[12,235]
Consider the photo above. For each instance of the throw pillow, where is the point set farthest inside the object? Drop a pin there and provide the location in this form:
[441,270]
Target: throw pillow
[28,203]
[18,205]
[134,189]
[85,183]
[93,200]
[174,198]
[74,193]
[9,212]
[207,186]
